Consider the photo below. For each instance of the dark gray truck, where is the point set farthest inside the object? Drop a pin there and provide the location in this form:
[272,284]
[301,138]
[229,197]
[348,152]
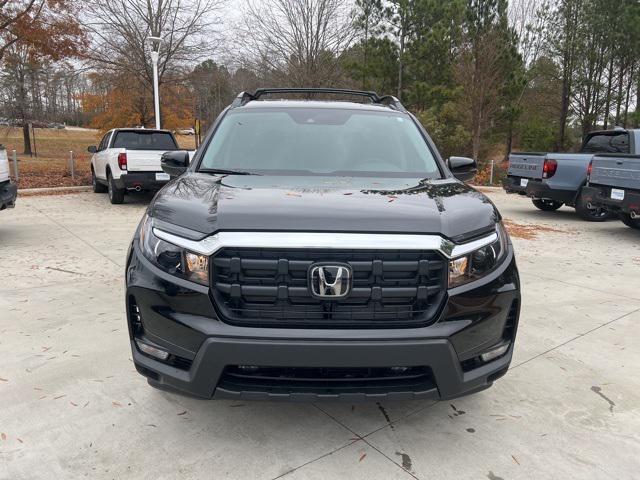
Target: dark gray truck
[556,179]
[614,184]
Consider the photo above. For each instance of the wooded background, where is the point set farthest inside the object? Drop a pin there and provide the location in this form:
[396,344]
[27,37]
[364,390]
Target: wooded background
[483,76]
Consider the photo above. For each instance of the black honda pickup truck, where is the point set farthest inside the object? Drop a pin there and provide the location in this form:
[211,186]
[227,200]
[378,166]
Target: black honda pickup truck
[316,250]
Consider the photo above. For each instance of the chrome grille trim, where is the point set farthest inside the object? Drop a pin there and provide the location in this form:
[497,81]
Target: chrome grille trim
[327,240]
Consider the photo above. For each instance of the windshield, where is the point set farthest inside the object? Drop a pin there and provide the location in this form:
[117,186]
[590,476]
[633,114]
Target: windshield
[320,141]
[141,140]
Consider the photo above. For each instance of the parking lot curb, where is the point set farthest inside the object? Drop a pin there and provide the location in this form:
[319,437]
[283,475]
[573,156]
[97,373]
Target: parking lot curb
[52,190]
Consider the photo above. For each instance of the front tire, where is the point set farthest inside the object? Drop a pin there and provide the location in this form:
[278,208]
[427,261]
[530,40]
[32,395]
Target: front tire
[116,195]
[97,186]
[546,205]
[593,214]
[630,222]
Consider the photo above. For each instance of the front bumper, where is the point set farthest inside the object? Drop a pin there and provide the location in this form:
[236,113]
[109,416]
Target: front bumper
[179,317]
[600,195]
[8,194]
[141,181]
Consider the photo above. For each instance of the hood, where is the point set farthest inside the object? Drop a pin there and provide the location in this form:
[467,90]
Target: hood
[207,203]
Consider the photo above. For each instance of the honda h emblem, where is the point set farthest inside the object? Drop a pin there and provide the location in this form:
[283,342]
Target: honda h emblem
[330,281]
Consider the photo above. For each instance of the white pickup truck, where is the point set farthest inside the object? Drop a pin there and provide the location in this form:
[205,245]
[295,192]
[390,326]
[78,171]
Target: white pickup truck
[129,159]
[8,190]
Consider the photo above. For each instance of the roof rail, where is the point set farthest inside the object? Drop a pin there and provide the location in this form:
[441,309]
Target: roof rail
[245,97]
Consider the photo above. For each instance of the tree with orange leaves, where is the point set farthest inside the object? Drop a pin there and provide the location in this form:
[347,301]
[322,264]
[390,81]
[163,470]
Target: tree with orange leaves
[124,101]
[12,13]
[33,32]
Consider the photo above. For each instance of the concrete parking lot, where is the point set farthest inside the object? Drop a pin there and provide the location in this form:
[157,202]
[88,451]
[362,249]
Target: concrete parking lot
[72,405]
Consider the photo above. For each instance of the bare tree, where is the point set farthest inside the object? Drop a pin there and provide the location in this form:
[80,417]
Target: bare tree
[120,50]
[479,73]
[528,21]
[298,42]
[120,29]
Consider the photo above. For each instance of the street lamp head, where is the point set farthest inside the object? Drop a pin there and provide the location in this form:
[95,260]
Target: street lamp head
[154,43]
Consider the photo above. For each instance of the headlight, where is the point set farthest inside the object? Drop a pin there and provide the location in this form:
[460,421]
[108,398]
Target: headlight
[480,262]
[171,258]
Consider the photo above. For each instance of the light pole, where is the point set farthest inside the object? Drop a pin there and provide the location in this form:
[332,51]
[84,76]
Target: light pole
[154,44]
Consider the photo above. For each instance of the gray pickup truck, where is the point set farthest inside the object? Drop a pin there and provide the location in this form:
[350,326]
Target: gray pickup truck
[556,179]
[614,184]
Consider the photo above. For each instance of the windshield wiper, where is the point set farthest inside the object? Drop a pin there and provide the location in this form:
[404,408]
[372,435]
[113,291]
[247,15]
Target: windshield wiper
[223,171]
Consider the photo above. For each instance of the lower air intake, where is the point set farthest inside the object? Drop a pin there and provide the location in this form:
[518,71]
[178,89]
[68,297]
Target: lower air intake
[327,381]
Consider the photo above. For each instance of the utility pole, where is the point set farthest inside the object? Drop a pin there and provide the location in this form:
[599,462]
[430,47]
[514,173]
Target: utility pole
[154,44]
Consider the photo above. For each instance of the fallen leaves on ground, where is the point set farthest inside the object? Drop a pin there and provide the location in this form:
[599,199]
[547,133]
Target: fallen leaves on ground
[528,231]
[43,173]
[53,192]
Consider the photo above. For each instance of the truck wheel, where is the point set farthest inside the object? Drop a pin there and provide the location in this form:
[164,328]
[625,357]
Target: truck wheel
[591,213]
[630,222]
[97,186]
[116,195]
[546,205]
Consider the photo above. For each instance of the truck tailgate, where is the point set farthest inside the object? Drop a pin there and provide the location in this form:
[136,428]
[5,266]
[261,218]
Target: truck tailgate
[526,165]
[616,170]
[144,160]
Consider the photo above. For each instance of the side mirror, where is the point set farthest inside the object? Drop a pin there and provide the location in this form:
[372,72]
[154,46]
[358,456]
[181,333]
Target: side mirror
[92,149]
[463,168]
[175,163]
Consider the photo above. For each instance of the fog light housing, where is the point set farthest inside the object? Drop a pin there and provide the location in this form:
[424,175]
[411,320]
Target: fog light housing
[495,352]
[152,351]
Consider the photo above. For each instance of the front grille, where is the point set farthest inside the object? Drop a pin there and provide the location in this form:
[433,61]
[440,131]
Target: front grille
[269,288]
[328,381]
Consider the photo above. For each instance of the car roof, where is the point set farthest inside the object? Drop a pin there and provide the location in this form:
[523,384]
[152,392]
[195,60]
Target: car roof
[328,104]
[130,129]
[613,131]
